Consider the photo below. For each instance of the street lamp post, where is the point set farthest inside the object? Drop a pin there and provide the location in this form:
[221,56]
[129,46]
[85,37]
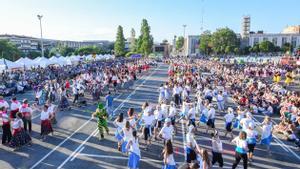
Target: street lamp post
[184,26]
[42,44]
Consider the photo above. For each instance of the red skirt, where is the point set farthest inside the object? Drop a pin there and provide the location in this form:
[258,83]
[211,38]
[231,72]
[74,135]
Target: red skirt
[46,127]
[16,131]
[13,113]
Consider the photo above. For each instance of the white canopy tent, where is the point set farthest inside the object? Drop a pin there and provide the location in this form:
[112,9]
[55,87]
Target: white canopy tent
[42,62]
[25,62]
[6,64]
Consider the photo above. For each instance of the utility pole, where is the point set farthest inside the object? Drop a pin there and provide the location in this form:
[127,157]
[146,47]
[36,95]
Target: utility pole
[184,26]
[42,44]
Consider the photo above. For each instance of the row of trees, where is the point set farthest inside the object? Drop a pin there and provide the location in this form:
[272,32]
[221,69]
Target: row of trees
[225,41]
[143,44]
[10,51]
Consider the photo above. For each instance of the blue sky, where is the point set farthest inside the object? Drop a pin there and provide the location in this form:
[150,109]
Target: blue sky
[98,19]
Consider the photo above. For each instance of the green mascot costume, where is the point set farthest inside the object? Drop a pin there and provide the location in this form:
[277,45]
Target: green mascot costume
[102,122]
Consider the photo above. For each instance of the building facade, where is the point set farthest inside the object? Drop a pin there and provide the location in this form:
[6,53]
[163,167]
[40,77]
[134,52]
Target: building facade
[23,43]
[27,44]
[191,45]
[278,39]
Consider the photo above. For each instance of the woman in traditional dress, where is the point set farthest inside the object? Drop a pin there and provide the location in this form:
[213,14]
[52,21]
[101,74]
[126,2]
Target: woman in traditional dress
[6,135]
[46,126]
[19,136]
[14,107]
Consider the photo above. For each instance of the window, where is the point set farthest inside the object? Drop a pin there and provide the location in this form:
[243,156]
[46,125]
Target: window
[255,41]
[274,40]
[265,39]
[284,40]
[294,41]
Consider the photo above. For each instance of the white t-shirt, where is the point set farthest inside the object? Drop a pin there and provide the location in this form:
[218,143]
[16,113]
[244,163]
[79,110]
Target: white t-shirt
[45,115]
[220,97]
[166,132]
[127,134]
[4,103]
[170,160]
[192,113]
[120,125]
[158,115]
[190,139]
[229,117]
[251,133]
[240,143]
[217,145]
[211,113]
[245,123]
[15,105]
[266,130]
[17,123]
[172,112]
[134,147]
[148,120]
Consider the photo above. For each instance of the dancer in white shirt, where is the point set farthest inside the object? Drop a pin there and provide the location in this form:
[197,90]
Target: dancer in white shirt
[228,122]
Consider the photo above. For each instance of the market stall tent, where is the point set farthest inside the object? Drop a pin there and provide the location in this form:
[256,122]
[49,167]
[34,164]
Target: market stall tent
[25,62]
[6,64]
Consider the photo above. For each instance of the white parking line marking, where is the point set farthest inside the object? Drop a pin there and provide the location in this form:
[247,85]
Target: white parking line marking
[96,130]
[78,148]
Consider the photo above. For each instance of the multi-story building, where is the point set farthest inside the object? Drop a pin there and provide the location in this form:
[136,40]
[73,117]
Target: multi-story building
[162,48]
[23,43]
[278,39]
[192,45]
[27,43]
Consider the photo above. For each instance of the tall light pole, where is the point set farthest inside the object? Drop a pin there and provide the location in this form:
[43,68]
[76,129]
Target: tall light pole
[42,44]
[184,26]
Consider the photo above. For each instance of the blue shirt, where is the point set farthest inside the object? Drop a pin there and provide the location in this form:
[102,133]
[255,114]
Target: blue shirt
[109,100]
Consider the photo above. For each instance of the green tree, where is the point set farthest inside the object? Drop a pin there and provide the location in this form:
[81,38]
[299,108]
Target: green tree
[179,42]
[86,50]
[255,48]
[120,42]
[53,52]
[34,54]
[205,45]
[224,40]
[266,46]
[9,50]
[287,47]
[139,45]
[146,42]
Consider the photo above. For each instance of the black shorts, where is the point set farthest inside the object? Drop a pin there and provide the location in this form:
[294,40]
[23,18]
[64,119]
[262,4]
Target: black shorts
[173,119]
[146,133]
[251,148]
[158,124]
[192,122]
[191,156]
[229,127]
[210,123]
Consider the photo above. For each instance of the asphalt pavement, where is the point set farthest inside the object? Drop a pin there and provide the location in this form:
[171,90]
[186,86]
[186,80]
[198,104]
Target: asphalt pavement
[76,143]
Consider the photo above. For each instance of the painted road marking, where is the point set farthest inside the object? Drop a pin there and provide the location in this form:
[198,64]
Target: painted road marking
[66,139]
[96,130]
[78,148]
